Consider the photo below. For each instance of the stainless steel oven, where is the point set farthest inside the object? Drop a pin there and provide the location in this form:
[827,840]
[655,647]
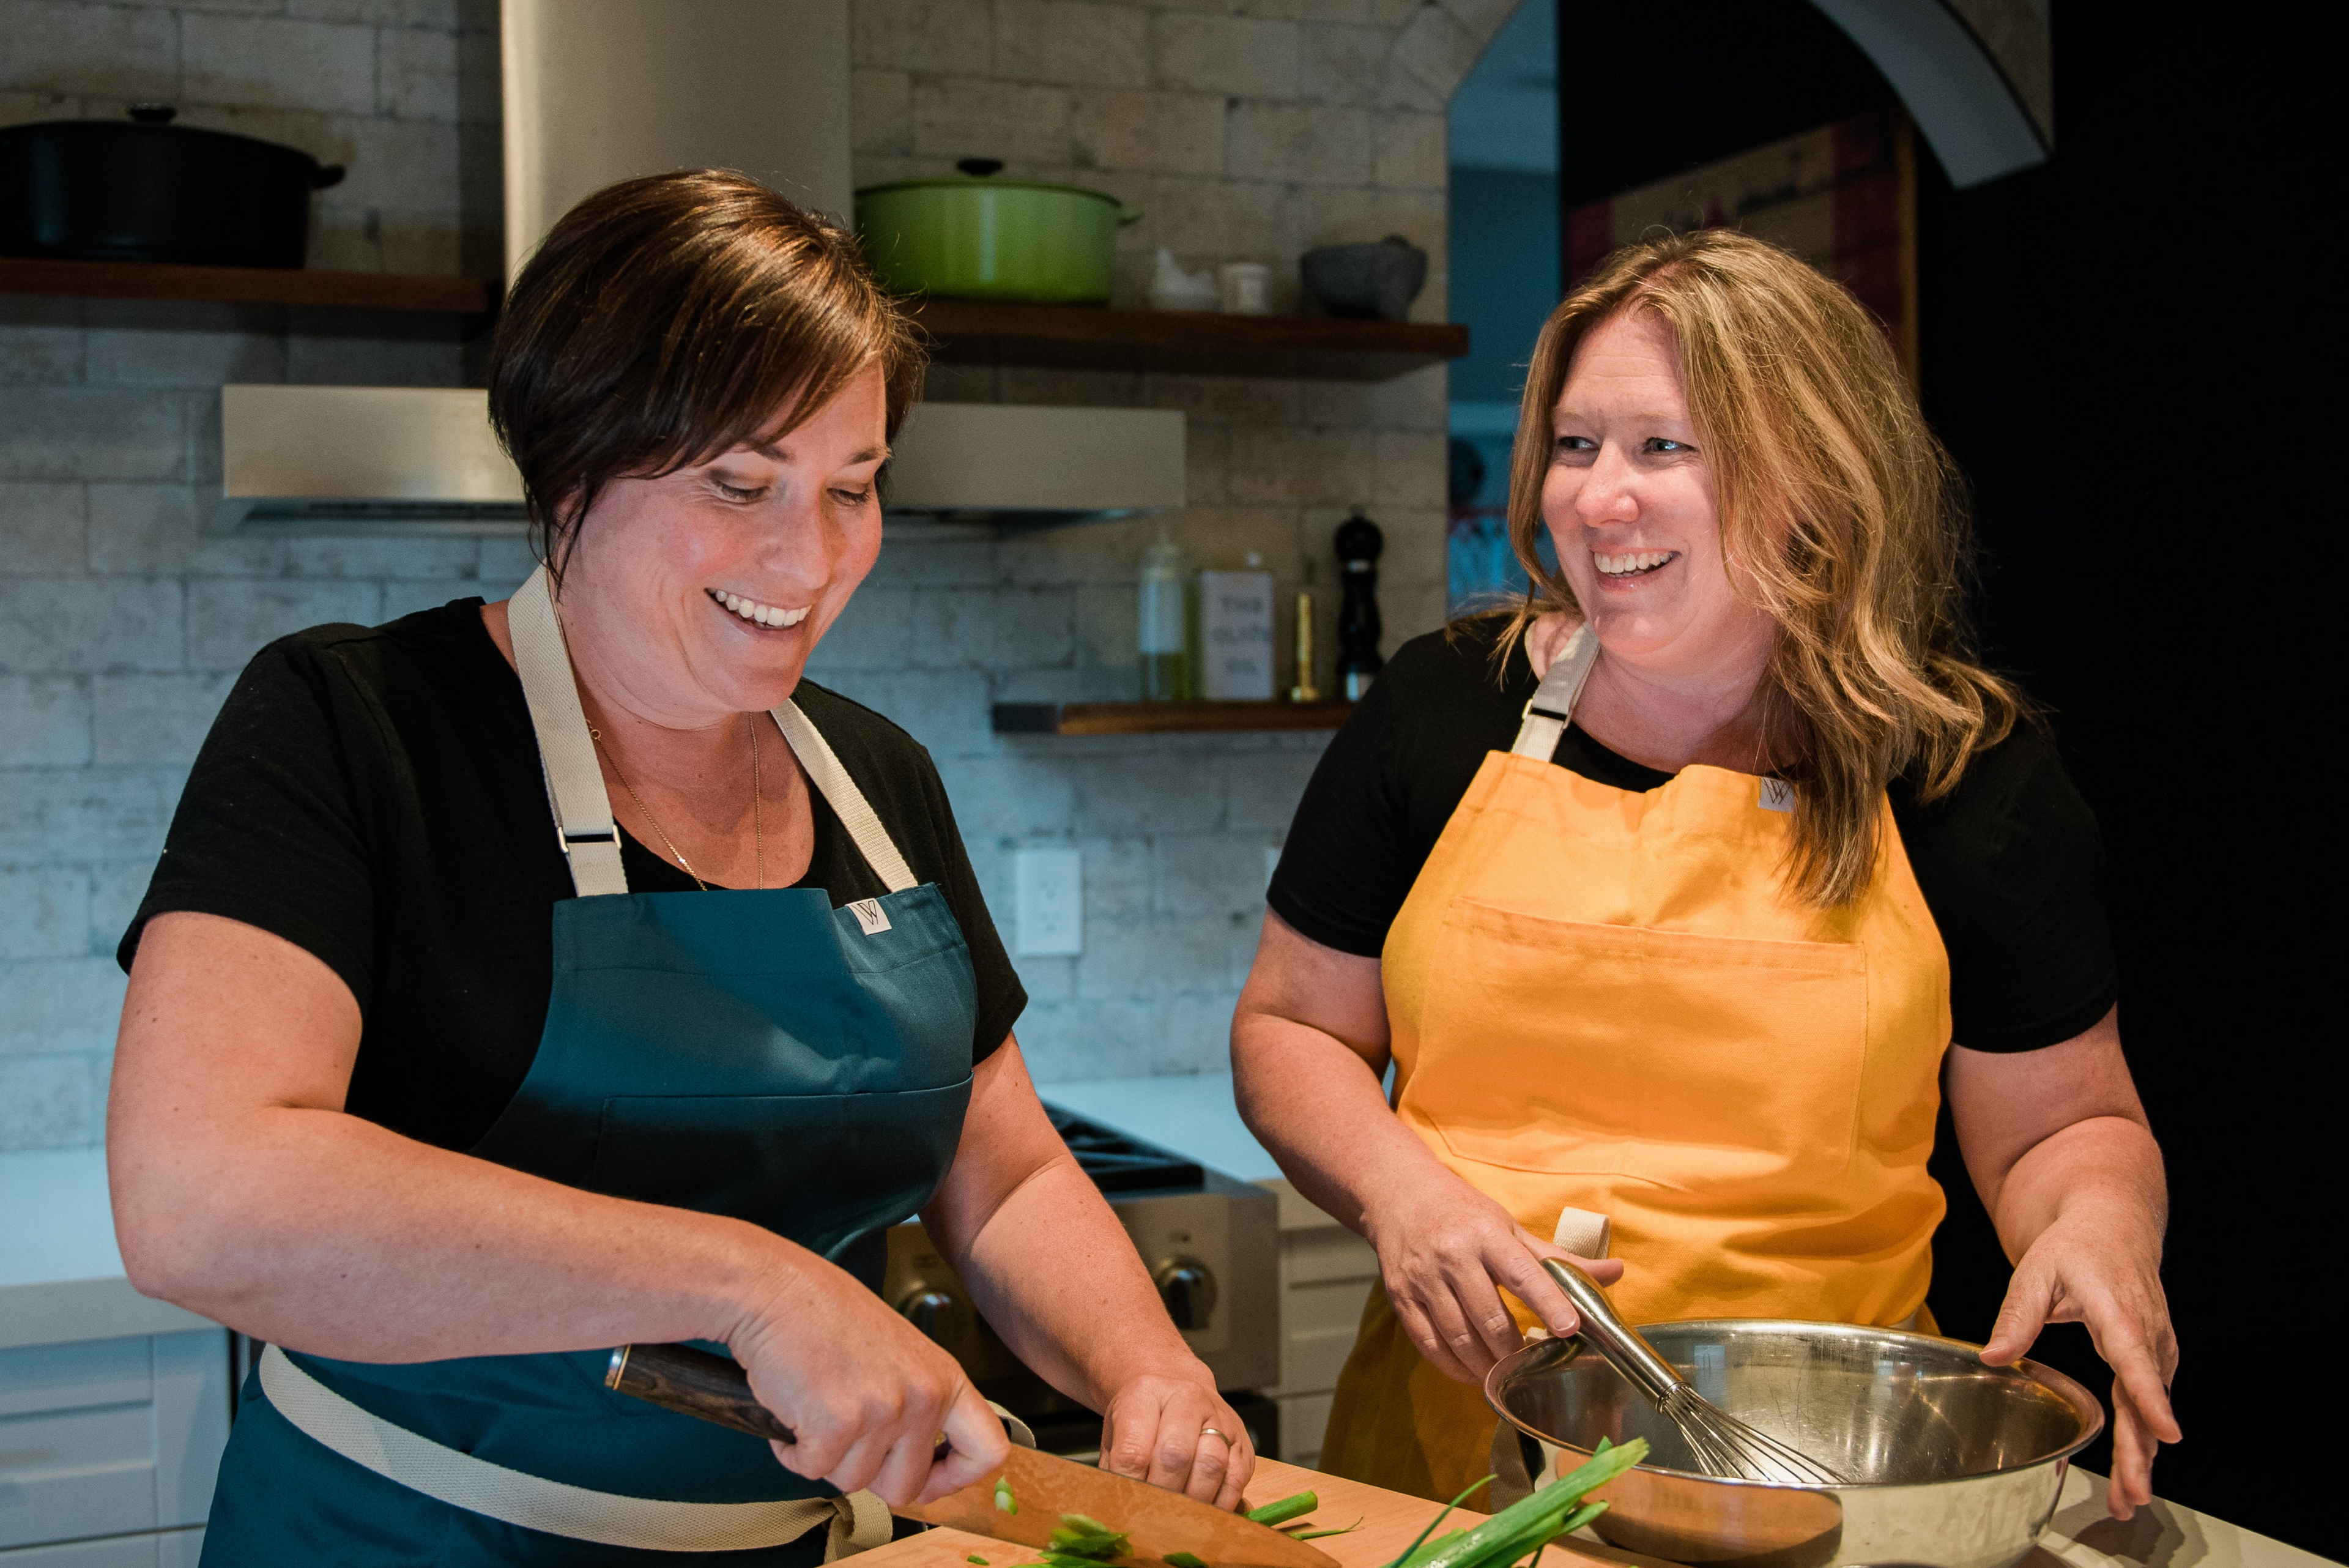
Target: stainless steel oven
[1210,1243]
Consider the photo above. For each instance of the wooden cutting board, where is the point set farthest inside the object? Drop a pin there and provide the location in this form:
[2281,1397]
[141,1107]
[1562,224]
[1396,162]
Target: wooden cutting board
[1390,1521]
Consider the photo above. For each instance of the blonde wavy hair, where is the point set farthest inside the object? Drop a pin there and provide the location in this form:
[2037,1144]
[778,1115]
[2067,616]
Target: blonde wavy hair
[1841,515]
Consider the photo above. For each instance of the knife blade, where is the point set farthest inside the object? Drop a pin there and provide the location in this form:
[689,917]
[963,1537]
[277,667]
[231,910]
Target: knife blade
[1157,1523]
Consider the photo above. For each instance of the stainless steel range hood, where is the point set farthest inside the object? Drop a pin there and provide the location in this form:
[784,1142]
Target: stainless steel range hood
[424,459]
[599,91]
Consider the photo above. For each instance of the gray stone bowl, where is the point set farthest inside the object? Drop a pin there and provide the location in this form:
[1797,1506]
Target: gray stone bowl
[1368,282]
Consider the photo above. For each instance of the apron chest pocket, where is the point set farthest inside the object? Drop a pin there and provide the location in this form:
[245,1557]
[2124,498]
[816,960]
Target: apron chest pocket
[1701,1062]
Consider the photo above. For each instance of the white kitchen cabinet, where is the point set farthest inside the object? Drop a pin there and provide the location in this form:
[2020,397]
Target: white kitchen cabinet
[109,1448]
[1326,1274]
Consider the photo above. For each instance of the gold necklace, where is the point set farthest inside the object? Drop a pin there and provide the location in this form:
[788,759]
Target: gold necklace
[758,826]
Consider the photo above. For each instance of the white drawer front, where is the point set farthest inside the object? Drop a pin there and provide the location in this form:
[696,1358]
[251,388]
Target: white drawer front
[167,1549]
[1304,1421]
[40,1378]
[109,1437]
[1331,1252]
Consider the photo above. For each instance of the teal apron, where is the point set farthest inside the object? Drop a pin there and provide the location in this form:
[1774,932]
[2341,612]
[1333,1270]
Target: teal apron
[757,1055]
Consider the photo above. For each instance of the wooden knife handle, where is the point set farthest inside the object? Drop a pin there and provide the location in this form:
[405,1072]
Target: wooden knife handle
[694,1383]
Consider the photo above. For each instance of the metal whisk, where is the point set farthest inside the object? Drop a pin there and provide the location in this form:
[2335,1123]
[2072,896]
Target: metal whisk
[1721,1443]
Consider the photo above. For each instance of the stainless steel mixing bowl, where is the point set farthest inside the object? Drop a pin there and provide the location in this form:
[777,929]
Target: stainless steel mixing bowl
[1954,1464]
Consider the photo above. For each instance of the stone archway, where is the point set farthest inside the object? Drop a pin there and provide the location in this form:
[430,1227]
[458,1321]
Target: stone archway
[1975,75]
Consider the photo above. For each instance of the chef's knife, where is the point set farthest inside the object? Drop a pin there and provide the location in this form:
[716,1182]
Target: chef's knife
[1158,1522]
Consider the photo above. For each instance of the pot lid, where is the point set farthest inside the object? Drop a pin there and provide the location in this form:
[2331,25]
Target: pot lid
[981,171]
[155,119]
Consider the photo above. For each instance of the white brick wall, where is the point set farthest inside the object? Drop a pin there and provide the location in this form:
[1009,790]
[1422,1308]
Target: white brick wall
[122,620]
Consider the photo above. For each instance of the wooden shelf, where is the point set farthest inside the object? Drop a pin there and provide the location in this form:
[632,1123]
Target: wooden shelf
[1165,718]
[1198,342]
[246,285]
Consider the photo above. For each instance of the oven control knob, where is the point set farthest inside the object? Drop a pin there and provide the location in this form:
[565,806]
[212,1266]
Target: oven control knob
[939,1315]
[1189,1290]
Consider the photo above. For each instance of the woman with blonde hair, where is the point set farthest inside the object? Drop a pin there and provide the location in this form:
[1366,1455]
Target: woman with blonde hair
[1682,970]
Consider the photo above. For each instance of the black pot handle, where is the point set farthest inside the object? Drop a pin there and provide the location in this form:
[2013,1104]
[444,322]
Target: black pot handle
[328,174]
[980,166]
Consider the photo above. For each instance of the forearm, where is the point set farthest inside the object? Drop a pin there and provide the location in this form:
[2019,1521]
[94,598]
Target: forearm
[329,1234]
[1317,1107]
[1058,1277]
[2106,1171]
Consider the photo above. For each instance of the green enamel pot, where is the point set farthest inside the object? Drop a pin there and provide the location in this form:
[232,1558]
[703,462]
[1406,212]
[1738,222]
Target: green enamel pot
[973,236]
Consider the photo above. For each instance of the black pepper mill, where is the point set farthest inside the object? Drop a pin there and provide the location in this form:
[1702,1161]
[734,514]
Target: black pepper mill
[1359,543]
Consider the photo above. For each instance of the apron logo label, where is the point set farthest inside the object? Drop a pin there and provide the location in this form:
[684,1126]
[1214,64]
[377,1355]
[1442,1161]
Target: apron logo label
[1777,795]
[868,915]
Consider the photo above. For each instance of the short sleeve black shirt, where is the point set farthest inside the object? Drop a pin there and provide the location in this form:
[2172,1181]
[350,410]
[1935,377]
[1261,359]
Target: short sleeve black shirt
[374,796]
[2009,862]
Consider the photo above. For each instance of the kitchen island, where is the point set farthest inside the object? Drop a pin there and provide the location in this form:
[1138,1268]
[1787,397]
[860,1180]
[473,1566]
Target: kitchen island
[2164,1536]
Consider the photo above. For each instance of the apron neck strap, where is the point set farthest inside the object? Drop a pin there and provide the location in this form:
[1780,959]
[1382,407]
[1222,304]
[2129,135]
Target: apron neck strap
[1551,708]
[847,801]
[574,784]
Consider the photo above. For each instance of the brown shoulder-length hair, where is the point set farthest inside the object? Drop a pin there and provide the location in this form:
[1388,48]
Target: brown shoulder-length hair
[1840,513]
[664,320]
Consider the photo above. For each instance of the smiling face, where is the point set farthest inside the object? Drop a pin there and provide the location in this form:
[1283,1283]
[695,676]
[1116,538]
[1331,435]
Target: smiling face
[1631,505]
[701,593]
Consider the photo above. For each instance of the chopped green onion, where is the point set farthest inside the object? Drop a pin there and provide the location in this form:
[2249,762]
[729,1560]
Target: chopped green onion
[1287,1508]
[1184,1560]
[1087,1539]
[1004,1500]
[981,1561]
[1318,1535]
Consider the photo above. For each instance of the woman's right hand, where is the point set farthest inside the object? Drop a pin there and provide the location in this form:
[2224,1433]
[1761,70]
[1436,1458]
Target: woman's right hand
[1446,1251]
[866,1393]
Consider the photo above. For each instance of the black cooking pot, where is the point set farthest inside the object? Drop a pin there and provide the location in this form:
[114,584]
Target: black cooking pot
[143,190]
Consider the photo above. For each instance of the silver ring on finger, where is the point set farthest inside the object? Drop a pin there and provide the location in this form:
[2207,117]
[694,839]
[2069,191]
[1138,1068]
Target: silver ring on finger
[1211,1432]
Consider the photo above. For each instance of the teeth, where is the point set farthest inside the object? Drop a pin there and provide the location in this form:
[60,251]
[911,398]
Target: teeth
[757,614]
[1636,561]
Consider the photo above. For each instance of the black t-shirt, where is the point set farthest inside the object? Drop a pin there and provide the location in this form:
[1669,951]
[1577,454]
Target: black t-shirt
[374,796]
[2009,861]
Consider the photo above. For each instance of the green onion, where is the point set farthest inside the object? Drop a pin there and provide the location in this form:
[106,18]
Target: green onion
[981,1561]
[1004,1500]
[1087,1540]
[1184,1560]
[1411,1551]
[1527,1525]
[1318,1535]
[1287,1508]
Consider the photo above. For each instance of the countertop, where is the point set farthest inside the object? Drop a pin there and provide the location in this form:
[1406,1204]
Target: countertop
[1195,1117]
[1192,1115]
[61,1275]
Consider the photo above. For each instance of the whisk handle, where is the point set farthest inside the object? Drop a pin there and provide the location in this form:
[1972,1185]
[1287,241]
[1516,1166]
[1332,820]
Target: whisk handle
[1623,1347]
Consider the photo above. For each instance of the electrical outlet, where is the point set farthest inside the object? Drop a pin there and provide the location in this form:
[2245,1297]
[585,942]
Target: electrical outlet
[1050,885]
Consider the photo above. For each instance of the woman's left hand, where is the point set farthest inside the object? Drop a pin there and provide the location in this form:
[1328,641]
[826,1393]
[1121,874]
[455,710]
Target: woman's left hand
[1177,1432]
[2087,1268]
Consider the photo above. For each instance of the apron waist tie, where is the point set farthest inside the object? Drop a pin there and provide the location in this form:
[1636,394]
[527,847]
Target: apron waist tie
[858,1521]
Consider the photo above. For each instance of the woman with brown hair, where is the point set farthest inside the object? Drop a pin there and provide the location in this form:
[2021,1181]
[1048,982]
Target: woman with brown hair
[1683,970]
[529,979]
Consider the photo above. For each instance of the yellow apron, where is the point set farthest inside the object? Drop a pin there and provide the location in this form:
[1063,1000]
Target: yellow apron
[1601,999]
